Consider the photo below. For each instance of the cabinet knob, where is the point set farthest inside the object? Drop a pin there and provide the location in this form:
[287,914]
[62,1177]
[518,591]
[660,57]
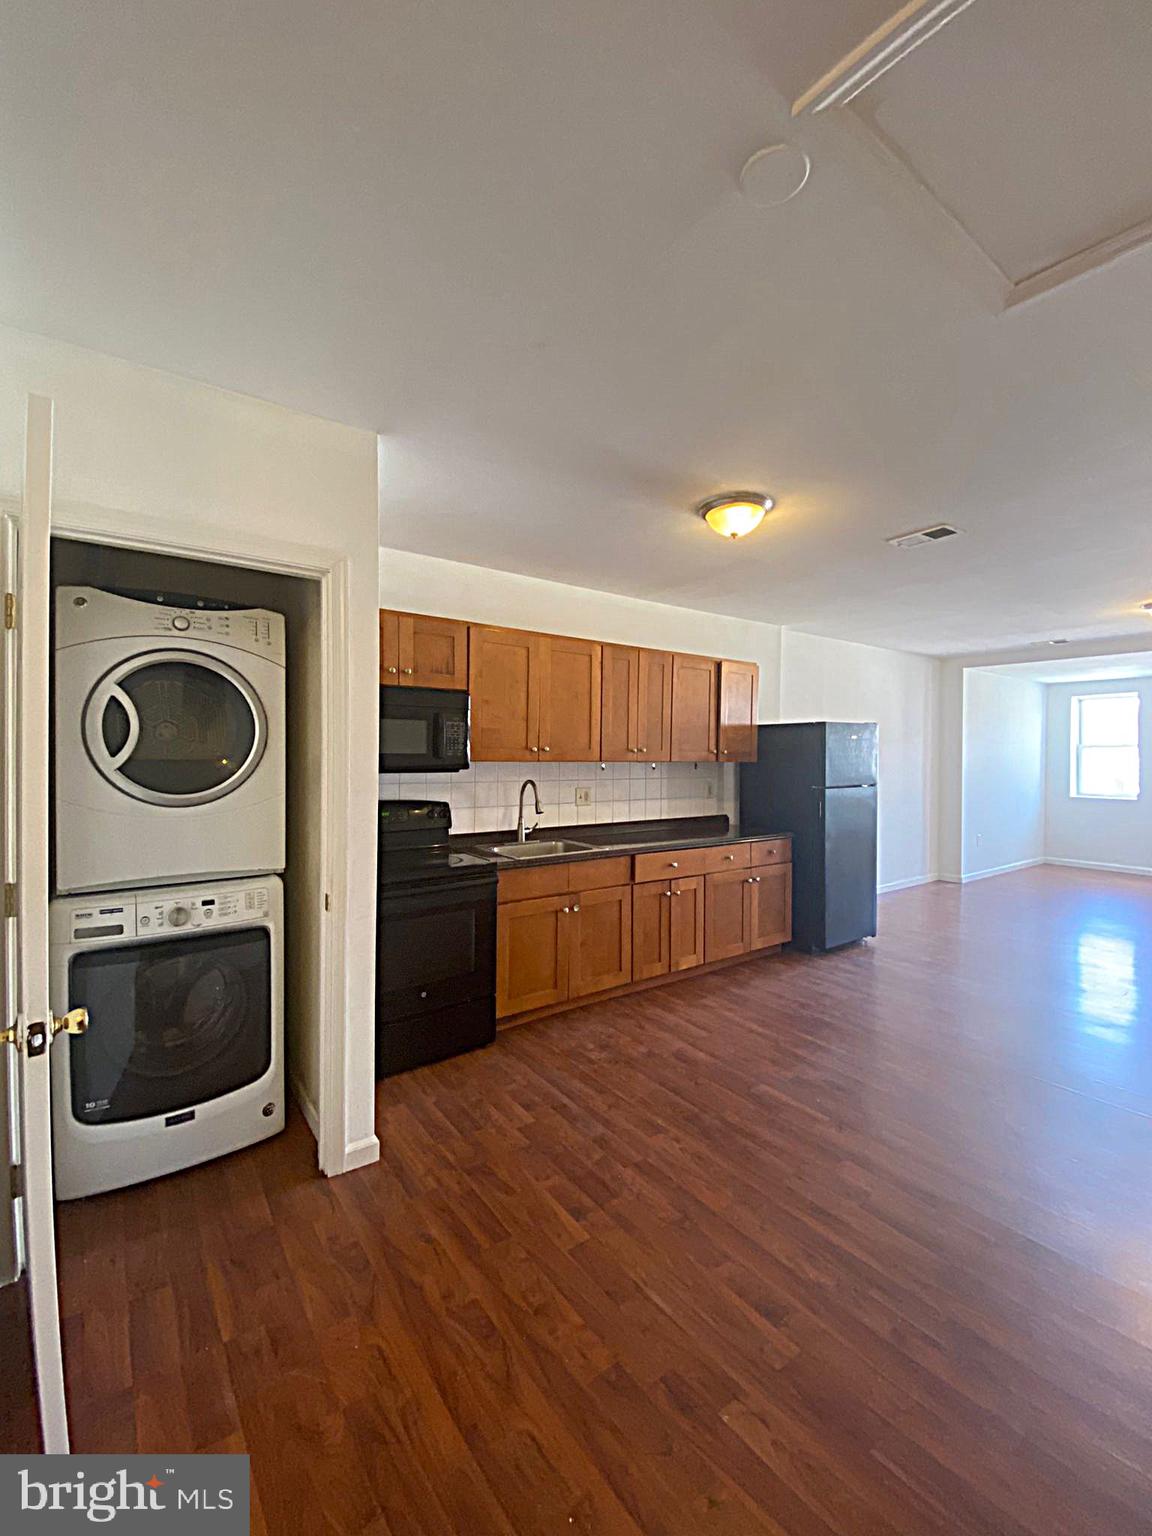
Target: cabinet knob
[407,671]
[565,909]
[533,749]
[730,857]
[667,893]
[575,909]
[641,749]
[674,864]
[674,893]
[545,749]
[392,670]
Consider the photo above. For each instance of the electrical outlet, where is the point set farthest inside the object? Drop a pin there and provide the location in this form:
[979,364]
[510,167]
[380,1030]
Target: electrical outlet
[583,795]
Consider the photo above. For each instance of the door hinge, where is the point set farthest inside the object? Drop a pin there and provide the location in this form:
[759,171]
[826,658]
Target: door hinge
[327,902]
[9,610]
[9,900]
[16,1180]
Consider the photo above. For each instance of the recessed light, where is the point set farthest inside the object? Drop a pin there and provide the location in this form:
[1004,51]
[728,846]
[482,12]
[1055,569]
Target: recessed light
[774,175]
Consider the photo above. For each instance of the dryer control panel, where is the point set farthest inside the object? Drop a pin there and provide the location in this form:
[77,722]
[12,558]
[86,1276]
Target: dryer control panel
[145,914]
[85,614]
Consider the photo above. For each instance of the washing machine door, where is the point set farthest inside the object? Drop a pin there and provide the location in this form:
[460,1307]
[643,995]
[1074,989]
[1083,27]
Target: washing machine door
[172,1023]
[175,728]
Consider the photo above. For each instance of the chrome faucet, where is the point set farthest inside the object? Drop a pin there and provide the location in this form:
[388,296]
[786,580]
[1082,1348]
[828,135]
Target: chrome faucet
[521,835]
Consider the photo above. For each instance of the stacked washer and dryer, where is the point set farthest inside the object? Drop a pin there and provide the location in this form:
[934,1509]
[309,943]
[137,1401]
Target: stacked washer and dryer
[167,925]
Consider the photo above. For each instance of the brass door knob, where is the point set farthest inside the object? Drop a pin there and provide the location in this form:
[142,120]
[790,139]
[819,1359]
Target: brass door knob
[74,1022]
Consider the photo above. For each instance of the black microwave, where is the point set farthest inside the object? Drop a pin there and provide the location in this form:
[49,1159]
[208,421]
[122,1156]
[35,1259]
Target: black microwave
[423,730]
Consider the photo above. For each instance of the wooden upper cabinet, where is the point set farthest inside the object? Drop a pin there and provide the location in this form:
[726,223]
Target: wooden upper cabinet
[389,646]
[620,688]
[739,705]
[693,709]
[636,713]
[504,668]
[419,651]
[654,706]
[770,905]
[569,699]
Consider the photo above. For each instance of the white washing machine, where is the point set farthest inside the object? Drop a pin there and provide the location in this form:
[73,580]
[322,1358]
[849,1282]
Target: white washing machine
[169,741]
[183,1059]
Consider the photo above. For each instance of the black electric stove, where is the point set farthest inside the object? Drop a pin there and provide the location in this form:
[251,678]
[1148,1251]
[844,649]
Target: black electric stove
[435,940]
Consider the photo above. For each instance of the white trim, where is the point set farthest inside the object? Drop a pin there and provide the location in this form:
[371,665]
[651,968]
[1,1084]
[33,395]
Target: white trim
[986,874]
[904,885]
[914,23]
[1116,869]
[91,524]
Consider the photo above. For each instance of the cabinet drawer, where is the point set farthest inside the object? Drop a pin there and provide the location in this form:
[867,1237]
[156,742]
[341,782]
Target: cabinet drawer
[525,884]
[777,850]
[671,862]
[717,860]
[596,874]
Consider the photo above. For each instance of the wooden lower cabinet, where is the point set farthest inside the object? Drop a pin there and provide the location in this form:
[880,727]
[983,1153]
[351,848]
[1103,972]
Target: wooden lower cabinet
[554,948]
[532,954]
[600,940]
[770,901]
[726,914]
[686,924]
[667,927]
[746,910]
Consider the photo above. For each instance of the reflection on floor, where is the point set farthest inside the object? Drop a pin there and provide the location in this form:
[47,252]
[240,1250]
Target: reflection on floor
[854,1244]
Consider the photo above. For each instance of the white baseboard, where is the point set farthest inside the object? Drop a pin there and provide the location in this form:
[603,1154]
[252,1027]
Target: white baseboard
[1001,869]
[358,1154]
[1115,869]
[307,1108]
[904,885]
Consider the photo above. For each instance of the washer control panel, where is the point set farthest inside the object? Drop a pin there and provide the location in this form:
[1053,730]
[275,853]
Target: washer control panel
[143,915]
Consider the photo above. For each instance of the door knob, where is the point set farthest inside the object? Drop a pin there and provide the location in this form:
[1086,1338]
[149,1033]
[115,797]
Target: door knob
[74,1022]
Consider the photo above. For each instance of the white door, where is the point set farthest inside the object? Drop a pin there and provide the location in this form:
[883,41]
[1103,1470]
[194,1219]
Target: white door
[30,1242]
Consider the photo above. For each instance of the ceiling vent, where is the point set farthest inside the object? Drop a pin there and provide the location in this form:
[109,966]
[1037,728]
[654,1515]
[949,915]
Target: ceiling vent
[923,536]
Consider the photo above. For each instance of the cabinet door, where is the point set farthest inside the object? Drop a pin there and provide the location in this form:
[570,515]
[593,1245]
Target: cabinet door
[600,940]
[770,917]
[726,914]
[693,709]
[651,929]
[532,939]
[433,652]
[389,646]
[739,703]
[504,678]
[620,673]
[569,699]
[686,924]
[654,706]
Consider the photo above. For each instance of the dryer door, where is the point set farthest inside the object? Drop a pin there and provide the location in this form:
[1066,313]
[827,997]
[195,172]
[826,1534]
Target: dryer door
[175,728]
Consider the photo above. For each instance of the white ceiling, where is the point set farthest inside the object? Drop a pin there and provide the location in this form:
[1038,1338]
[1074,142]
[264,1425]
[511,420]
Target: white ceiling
[508,236]
[1080,669]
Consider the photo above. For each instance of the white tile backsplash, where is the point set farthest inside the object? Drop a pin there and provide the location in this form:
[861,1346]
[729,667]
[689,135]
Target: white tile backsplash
[483,798]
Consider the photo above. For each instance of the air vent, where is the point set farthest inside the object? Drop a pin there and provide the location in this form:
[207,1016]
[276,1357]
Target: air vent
[923,536]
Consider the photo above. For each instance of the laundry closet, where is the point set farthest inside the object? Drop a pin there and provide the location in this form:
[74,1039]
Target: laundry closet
[186,840]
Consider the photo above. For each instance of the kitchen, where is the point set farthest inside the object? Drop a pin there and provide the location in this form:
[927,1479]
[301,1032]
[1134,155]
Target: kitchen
[495,924]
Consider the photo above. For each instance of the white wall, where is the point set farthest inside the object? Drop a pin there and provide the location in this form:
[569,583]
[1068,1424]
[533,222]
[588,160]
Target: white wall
[144,454]
[422,584]
[836,680]
[1002,824]
[1112,834]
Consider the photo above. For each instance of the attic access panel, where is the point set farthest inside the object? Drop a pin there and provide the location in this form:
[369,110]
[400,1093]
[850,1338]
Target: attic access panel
[1029,121]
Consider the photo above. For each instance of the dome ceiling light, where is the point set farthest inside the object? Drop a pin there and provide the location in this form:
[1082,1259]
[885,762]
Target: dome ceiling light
[774,175]
[736,513]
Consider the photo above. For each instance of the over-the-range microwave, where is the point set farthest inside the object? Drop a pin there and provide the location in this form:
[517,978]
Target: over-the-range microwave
[423,730]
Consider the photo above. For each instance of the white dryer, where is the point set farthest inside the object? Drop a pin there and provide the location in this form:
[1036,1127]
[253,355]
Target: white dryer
[169,741]
[183,1059]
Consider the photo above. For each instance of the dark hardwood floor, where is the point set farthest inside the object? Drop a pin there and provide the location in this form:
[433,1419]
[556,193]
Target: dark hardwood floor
[857,1244]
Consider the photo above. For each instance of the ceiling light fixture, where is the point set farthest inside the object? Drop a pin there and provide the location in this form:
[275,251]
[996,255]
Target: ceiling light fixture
[735,513]
[1147,607]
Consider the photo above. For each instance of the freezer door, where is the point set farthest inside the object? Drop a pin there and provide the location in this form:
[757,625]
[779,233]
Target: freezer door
[850,865]
[849,753]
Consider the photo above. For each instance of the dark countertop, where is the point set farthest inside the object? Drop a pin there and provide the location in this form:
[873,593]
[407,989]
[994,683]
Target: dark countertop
[607,838]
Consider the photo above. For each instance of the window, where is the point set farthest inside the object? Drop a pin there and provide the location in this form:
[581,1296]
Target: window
[1105,746]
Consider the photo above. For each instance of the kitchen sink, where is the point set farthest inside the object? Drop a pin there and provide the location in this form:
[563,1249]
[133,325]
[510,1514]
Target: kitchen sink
[536,850]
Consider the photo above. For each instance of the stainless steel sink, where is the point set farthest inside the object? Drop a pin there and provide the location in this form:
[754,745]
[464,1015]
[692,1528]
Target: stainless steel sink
[536,850]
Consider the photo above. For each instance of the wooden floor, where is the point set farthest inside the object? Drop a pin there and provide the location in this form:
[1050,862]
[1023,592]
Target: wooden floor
[856,1244]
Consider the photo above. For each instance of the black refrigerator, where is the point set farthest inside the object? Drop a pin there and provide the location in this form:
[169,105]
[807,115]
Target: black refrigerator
[818,782]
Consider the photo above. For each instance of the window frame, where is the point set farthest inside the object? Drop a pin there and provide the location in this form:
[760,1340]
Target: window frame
[1077,746]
